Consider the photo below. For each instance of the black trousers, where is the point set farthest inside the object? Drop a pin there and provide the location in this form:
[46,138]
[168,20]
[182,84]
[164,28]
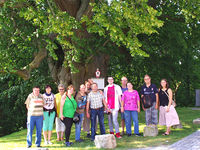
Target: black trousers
[68,124]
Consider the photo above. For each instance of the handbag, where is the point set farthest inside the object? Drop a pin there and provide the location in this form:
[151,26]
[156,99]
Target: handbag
[173,102]
[76,117]
[147,101]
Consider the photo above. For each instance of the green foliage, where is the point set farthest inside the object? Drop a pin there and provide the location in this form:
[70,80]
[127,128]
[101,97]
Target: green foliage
[13,93]
[173,54]
[122,21]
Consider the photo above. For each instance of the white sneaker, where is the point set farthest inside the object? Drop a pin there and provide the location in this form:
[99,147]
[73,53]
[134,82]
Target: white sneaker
[46,143]
[49,142]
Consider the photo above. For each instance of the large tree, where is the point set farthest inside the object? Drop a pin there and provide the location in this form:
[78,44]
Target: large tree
[77,36]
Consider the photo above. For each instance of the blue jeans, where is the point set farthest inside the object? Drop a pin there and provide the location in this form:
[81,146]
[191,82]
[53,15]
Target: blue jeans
[134,115]
[78,127]
[31,122]
[93,115]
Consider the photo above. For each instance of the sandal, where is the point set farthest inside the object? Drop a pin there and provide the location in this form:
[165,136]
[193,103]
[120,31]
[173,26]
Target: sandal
[58,140]
[165,134]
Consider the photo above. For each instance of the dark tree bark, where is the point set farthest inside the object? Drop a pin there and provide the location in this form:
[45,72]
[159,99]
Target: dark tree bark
[61,74]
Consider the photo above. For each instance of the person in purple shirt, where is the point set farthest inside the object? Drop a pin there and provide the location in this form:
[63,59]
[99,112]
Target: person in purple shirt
[131,108]
[124,88]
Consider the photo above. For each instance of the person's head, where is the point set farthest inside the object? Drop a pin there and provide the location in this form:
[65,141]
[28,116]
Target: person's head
[94,87]
[48,89]
[147,79]
[110,80]
[129,86]
[61,89]
[70,89]
[82,88]
[87,85]
[36,90]
[164,84]
[124,81]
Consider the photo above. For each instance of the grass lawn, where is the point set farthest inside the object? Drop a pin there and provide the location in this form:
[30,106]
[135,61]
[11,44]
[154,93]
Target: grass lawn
[186,115]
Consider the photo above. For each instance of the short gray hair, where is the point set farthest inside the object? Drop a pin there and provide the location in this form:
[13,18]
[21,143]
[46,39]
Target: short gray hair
[61,85]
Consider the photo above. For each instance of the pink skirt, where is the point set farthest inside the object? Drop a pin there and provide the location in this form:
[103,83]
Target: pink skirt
[168,118]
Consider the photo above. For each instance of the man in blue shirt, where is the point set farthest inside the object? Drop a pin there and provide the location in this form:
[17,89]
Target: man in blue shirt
[151,114]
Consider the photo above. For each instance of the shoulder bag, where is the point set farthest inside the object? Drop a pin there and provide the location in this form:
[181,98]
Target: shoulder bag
[76,117]
[173,102]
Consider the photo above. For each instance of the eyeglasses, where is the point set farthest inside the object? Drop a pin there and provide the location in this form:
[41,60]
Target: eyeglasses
[61,89]
[147,79]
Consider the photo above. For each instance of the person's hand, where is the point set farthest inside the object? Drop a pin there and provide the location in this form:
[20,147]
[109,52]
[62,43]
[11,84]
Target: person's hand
[167,110]
[122,109]
[143,108]
[88,115]
[156,107]
[108,110]
[138,110]
[61,117]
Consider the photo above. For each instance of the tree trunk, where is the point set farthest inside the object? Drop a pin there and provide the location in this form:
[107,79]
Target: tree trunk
[61,74]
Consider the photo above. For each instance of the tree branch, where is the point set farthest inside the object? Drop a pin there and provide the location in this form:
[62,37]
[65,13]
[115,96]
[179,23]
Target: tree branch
[82,9]
[25,72]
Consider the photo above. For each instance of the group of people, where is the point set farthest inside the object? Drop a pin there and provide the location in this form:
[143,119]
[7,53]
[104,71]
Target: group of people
[90,104]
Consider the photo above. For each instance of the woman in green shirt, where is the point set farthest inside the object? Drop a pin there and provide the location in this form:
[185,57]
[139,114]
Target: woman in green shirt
[67,109]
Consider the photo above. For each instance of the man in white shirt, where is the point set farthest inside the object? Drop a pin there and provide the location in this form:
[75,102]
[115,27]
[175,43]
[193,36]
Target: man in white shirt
[112,93]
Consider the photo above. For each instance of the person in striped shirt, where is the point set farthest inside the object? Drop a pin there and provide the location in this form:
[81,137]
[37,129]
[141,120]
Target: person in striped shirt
[34,104]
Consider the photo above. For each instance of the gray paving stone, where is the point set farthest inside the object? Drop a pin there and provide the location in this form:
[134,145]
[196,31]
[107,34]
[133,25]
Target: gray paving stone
[191,142]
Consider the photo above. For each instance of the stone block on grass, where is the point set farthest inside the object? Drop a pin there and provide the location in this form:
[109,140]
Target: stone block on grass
[150,131]
[196,121]
[105,141]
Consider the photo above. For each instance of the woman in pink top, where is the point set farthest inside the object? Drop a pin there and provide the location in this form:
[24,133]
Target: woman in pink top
[131,107]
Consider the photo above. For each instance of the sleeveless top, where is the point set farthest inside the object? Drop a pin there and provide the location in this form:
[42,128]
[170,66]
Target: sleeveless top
[48,101]
[163,98]
[69,107]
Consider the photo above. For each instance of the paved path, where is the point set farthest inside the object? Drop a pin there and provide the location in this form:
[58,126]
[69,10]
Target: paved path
[191,142]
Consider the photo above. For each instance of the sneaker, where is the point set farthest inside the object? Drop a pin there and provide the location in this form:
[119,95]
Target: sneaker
[92,140]
[68,143]
[46,143]
[129,134]
[138,134]
[111,132]
[80,140]
[49,142]
[39,146]
[28,146]
[88,135]
[118,135]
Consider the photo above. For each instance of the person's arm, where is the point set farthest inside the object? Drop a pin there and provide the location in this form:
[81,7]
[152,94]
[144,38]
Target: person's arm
[157,101]
[170,99]
[142,96]
[87,109]
[27,102]
[122,103]
[61,106]
[138,102]
[119,91]
[55,103]
[157,97]
[105,105]
[88,106]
